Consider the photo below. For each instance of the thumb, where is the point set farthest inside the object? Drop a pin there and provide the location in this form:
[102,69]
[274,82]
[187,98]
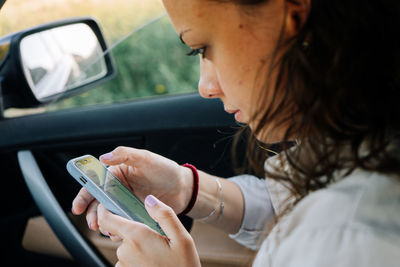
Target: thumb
[116,225]
[166,218]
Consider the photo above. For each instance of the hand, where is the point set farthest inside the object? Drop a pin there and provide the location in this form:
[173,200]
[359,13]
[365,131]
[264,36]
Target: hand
[142,246]
[144,173]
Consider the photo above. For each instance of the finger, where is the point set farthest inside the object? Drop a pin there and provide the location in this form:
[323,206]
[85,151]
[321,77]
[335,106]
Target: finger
[127,155]
[91,216]
[166,217]
[81,201]
[118,264]
[120,172]
[118,226]
[115,238]
[124,253]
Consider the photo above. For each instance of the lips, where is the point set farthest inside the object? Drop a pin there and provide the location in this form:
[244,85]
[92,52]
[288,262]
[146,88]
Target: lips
[232,111]
[236,113]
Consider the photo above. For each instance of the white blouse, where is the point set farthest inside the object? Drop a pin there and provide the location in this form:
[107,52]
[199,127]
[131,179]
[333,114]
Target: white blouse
[353,222]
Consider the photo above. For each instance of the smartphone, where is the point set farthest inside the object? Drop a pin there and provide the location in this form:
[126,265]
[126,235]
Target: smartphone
[109,190]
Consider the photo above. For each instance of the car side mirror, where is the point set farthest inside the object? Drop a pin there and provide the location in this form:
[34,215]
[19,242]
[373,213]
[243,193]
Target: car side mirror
[52,61]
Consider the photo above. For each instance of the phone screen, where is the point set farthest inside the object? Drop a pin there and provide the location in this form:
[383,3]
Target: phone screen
[116,190]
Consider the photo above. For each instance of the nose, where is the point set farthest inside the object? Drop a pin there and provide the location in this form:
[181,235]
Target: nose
[209,86]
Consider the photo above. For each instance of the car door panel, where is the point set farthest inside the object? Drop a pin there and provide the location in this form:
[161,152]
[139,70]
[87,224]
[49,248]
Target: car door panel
[184,128]
[214,247]
[167,114]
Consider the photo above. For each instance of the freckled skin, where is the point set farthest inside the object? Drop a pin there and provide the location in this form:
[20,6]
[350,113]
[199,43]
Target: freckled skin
[238,49]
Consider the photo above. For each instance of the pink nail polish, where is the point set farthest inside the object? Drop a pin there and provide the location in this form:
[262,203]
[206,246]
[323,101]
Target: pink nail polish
[151,201]
[107,156]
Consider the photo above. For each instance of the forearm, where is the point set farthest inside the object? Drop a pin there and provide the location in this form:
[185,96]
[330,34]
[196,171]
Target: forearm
[208,199]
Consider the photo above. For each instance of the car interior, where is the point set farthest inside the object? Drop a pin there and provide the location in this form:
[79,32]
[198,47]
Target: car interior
[54,139]
[37,223]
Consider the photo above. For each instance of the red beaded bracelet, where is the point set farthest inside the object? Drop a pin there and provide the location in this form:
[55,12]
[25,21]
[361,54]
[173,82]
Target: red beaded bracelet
[195,188]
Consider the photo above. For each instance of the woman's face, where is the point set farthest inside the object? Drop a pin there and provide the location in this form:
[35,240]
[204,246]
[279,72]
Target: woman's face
[235,46]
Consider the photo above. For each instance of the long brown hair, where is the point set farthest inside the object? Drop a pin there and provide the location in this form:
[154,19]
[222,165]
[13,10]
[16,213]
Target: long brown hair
[339,92]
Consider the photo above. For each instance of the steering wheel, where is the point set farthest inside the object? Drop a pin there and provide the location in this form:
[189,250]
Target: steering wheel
[79,248]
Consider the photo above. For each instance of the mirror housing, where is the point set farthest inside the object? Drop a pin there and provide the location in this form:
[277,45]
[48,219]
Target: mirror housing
[47,63]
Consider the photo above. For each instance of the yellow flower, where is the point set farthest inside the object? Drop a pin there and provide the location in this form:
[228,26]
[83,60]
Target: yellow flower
[160,89]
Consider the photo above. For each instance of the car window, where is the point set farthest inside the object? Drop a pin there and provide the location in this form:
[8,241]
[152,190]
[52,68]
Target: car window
[149,58]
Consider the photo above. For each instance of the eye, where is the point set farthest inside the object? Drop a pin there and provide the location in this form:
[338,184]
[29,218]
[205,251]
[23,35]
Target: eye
[200,51]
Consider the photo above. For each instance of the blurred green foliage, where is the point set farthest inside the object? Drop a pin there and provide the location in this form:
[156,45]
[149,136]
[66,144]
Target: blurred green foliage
[151,62]
[117,17]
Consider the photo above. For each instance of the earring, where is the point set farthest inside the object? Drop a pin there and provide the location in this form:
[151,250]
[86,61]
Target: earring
[305,44]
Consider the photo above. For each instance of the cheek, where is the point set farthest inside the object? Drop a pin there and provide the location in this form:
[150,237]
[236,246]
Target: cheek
[236,83]
[228,77]
[235,74]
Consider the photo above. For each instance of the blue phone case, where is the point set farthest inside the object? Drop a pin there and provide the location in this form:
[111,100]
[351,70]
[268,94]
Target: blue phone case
[97,192]
[94,190]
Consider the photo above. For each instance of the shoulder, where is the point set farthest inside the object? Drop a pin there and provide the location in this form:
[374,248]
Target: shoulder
[364,199]
[350,221]
[345,245]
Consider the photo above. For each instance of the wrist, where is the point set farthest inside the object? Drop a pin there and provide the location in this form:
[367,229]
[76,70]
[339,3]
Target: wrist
[186,187]
[190,187]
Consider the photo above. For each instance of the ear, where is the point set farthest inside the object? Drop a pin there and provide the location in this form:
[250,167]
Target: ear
[296,15]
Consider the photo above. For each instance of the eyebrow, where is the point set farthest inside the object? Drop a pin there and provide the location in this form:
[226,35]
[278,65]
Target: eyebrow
[181,35]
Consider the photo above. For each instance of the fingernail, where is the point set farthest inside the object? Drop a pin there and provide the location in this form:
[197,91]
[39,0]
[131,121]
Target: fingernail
[117,238]
[107,233]
[151,201]
[107,156]
[90,225]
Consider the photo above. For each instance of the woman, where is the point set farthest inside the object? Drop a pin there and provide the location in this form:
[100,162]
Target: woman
[323,73]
